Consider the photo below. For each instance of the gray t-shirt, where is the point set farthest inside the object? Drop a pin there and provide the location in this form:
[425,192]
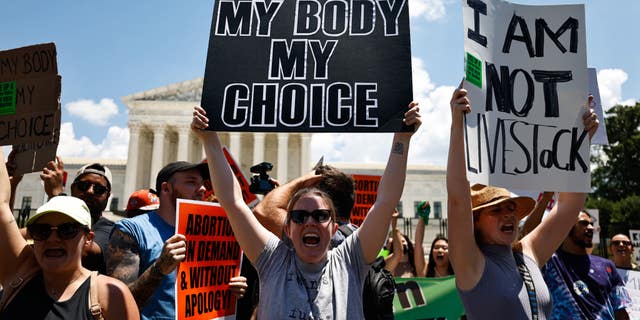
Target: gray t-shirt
[292,289]
[501,293]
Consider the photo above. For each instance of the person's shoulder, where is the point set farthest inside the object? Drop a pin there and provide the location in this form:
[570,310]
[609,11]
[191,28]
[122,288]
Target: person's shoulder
[139,220]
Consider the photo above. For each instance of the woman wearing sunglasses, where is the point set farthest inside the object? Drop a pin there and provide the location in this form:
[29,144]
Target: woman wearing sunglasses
[306,280]
[46,280]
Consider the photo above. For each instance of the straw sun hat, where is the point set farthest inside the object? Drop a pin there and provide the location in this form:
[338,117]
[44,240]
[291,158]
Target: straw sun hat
[485,196]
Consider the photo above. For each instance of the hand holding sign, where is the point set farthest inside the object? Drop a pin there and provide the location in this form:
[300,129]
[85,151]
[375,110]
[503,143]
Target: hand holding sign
[590,119]
[460,103]
[412,118]
[174,251]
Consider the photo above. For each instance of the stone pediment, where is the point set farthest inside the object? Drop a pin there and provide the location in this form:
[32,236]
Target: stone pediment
[190,90]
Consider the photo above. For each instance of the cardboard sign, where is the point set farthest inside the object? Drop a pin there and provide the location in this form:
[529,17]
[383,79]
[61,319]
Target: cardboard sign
[213,257]
[366,194]
[526,75]
[308,66]
[34,156]
[30,104]
[427,298]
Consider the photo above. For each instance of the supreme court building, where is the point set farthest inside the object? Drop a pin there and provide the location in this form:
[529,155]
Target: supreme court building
[159,133]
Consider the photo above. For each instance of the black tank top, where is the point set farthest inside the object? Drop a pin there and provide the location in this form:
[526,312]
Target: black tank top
[33,302]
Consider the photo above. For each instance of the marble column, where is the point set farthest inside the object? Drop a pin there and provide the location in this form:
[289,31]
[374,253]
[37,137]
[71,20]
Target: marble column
[234,146]
[283,157]
[305,152]
[183,143]
[157,155]
[258,147]
[131,175]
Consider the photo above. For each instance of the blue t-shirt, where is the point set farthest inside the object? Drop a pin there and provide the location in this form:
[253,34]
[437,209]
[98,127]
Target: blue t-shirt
[584,287]
[150,232]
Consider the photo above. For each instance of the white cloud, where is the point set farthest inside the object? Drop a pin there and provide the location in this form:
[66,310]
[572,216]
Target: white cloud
[610,83]
[114,146]
[96,113]
[428,146]
[429,9]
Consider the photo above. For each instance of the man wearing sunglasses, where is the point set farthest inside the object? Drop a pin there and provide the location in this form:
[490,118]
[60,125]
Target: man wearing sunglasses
[584,286]
[92,184]
[144,251]
[622,250]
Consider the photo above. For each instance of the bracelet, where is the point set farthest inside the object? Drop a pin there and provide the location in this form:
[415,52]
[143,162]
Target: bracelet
[155,271]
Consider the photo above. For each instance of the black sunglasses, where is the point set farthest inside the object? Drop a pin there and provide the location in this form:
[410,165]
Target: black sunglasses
[620,242]
[585,223]
[65,231]
[97,188]
[320,215]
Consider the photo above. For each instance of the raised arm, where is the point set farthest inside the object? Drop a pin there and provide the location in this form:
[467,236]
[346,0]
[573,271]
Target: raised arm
[418,250]
[374,228]
[271,212]
[544,240]
[251,235]
[394,258]
[52,176]
[12,244]
[13,178]
[534,218]
[466,258]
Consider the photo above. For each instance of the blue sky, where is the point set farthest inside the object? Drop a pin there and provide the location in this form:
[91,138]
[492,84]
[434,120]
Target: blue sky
[110,49]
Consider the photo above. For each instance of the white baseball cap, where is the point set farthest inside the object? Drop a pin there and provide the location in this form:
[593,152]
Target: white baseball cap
[72,207]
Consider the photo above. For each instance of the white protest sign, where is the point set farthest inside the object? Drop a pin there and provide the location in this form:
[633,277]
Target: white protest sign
[595,218]
[632,283]
[635,240]
[600,137]
[526,75]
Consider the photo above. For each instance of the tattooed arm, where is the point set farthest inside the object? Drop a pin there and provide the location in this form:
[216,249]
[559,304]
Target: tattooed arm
[373,230]
[123,263]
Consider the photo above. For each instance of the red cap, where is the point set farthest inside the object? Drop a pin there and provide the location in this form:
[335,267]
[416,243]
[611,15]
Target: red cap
[143,200]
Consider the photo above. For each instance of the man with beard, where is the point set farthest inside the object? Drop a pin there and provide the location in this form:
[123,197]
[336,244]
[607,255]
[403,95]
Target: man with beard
[144,252]
[584,286]
[92,184]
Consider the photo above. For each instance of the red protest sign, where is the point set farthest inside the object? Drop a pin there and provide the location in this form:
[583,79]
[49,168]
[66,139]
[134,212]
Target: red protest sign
[366,193]
[213,257]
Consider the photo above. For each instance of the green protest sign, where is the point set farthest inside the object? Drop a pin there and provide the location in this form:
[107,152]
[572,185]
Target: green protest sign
[427,298]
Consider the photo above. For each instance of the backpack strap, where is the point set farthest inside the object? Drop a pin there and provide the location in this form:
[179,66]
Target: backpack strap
[26,271]
[345,230]
[94,302]
[528,282]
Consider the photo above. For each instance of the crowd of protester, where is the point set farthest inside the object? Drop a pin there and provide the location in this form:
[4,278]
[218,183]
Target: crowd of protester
[304,257]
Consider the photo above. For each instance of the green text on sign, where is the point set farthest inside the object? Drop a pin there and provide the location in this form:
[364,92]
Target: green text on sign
[473,69]
[7,98]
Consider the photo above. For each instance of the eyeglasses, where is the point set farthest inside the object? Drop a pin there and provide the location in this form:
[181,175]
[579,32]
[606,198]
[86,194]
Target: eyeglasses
[319,215]
[621,242]
[97,188]
[65,231]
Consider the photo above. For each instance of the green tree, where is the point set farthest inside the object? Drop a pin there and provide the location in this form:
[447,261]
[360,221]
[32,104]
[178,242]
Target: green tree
[616,179]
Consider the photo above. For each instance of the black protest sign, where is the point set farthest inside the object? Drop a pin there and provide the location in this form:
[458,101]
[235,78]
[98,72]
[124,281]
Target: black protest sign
[291,66]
